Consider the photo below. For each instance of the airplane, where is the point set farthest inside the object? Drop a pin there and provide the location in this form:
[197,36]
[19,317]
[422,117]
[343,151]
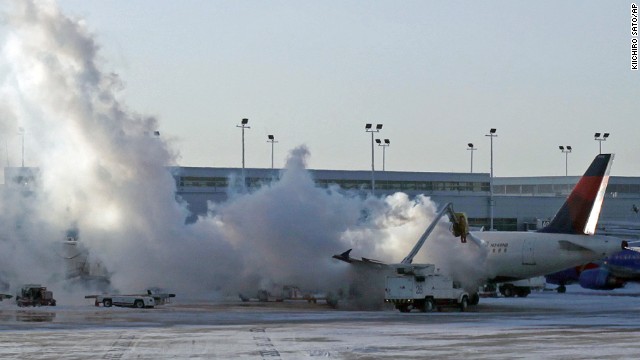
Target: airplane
[568,240]
[613,272]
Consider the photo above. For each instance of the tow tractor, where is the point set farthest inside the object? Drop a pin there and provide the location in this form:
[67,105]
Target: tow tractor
[35,295]
[137,301]
[148,300]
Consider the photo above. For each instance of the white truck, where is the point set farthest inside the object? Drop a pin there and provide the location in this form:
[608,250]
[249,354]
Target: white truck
[136,301]
[420,287]
[522,288]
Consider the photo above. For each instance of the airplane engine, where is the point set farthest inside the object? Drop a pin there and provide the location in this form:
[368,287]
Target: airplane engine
[564,277]
[599,279]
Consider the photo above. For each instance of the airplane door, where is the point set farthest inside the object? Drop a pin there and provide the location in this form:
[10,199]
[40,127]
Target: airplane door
[528,257]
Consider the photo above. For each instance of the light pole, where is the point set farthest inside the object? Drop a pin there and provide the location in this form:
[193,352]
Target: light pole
[272,141]
[601,139]
[368,128]
[21,132]
[566,160]
[491,134]
[243,125]
[472,149]
[384,147]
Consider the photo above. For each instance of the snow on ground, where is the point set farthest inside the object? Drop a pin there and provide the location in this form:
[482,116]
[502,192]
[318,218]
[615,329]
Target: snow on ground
[580,324]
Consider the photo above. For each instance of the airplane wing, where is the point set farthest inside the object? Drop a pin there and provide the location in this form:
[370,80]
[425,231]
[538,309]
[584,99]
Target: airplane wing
[479,242]
[633,248]
[345,256]
[570,246]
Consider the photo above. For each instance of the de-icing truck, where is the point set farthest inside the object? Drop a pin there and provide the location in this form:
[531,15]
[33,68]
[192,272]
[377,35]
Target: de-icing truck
[420,287]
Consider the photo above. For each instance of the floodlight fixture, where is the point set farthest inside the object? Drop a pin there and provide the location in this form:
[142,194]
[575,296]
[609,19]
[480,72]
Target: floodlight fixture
[384,148]
[566,152]
[272,141]
[601,139]
[491,134]
[472,149]
[368,128]
[243,125]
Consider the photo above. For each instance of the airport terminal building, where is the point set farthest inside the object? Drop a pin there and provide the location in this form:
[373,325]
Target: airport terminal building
[520,203]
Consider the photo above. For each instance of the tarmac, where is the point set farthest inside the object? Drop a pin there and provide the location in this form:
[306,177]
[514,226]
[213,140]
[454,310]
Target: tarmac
[577,325]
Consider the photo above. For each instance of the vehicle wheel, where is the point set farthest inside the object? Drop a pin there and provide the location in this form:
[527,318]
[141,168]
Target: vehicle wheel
[107,302]
[138,304]
[507,291]
[428,305]
[475,299]
[464,304]
[562,289]
[403,308]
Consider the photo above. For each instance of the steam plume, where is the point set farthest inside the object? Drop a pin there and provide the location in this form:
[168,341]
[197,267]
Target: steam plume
[103,174]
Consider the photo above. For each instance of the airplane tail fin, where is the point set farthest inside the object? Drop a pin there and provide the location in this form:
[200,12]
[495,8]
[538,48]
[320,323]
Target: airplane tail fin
[579,214]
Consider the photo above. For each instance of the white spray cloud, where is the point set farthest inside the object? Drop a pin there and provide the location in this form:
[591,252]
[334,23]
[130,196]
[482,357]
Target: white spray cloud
[102,173]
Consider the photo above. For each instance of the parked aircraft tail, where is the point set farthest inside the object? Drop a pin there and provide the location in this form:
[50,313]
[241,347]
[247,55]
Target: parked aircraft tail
[580,213]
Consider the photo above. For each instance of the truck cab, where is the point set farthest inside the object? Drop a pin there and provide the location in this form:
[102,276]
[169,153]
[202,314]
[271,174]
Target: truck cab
[35,295]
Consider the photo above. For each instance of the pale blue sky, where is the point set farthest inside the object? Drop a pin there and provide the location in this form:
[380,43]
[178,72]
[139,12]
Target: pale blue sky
[437,74]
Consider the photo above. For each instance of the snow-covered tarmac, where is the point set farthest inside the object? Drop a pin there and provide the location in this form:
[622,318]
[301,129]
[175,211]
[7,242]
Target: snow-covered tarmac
[577,325]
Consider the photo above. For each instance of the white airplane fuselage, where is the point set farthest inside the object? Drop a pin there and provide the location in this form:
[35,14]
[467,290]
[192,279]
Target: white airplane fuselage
[521,255]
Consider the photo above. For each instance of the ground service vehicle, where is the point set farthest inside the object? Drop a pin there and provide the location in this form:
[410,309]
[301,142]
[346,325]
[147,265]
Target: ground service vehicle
[420,287]
[521,288]
[137,301]
[35,295]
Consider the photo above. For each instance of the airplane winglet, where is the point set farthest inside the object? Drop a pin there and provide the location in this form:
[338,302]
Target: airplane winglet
[344,256]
